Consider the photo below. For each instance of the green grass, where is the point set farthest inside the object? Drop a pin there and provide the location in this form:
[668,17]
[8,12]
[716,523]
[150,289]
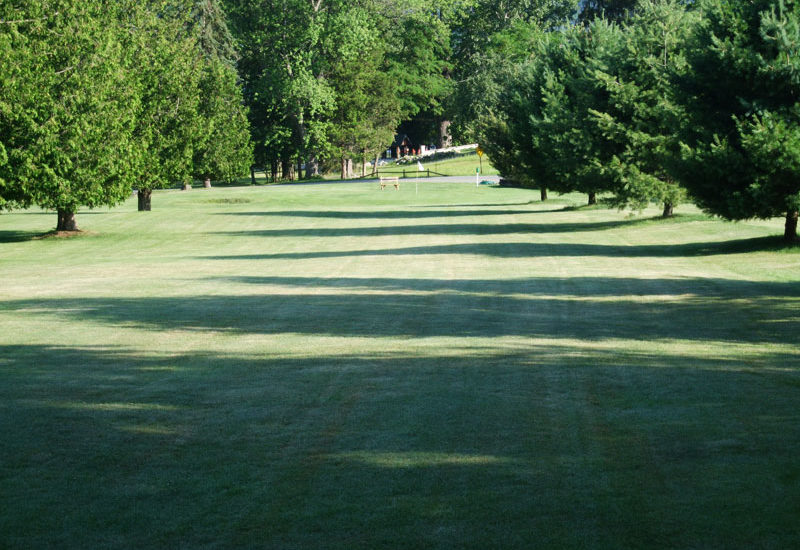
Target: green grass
[461,165]
[334,366]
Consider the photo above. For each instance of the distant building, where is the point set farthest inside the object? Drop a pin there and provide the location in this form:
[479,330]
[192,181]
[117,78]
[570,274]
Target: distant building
[403,147]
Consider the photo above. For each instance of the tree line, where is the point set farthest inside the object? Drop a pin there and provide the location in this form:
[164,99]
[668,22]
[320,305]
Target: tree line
[98,98]
[635,101]
[663,98]
[329,81]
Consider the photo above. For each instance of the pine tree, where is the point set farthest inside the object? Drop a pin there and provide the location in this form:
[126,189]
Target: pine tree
[611,10]
[641,114]
[210,26]
[223,150]
[742,144]
[487,37]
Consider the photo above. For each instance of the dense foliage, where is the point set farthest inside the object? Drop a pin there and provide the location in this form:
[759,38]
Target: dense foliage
[66,111]
[97,98]
[637,101]
[330,80]
[674,96]
[742,151]
[641,115]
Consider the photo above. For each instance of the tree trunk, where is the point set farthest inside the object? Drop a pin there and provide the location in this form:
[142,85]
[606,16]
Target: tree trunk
[445,140]
[286,169]
[790,230]
[668,210]
[592,198]
[375,166]
[350,172]
[543,192]
[144,196]
[363,163]
[300,169]
[312,167]
[273,168]
[66,221]
[253,175]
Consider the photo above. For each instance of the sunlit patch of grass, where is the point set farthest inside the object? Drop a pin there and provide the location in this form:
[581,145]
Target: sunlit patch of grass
[418,460]
[113,407]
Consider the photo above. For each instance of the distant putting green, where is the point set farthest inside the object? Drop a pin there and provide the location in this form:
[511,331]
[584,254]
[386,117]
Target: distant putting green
[336,366]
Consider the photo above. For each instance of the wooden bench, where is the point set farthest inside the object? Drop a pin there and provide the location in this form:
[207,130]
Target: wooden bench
[387,180]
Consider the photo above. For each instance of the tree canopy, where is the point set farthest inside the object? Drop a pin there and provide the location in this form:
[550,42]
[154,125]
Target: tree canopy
[638,101]
[99,97]
[742,147]
[329,80]
[66,111]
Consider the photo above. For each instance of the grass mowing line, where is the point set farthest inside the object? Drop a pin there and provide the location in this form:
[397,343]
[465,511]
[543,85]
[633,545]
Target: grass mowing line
[501,374]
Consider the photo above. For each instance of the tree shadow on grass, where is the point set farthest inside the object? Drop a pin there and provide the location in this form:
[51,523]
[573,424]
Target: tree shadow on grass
[541,448]
[380,214]
[20,236]
[433,229]
[589,309]
[531,250]
[488,205]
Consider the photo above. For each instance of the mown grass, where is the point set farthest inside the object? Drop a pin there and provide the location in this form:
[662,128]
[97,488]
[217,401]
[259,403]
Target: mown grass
[459,165]
[336,366]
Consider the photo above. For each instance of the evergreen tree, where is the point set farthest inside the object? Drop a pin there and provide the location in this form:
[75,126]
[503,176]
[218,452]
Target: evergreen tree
[210,26]
[642,115]
[742,143]
[366,107]
[611,10]
[483,43]
[224,150]
[166,66]
[67,110]
[543,117]
[512,114]
[582,153]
